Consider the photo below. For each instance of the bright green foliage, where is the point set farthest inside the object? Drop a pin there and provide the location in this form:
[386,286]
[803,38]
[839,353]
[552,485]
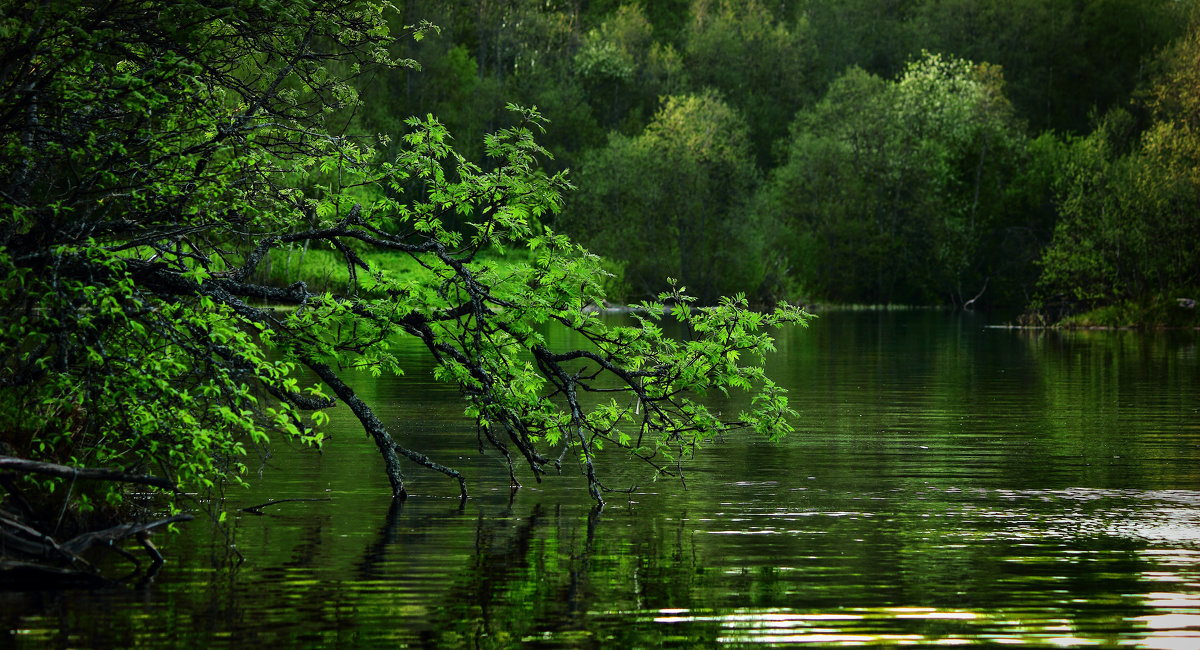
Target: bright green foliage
[668,203]
[135,145]
[154,161]
[895,191]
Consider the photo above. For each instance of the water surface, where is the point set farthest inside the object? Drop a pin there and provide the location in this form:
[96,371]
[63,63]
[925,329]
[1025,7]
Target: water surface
[948,483]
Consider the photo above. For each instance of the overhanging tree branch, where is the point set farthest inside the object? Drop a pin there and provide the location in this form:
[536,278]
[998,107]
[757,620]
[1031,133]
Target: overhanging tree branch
[25,466]
[172,165]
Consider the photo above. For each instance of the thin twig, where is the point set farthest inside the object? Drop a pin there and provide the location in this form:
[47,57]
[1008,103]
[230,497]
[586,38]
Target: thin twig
[258,508]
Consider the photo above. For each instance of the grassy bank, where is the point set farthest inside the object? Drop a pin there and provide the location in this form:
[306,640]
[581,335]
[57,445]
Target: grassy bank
[1158,312]
[325,270]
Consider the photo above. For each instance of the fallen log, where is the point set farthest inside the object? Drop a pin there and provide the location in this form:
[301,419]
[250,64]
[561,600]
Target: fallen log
[44,558]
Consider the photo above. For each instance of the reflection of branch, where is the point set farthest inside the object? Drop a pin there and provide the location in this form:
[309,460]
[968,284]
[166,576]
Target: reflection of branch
[577,584]
[389,534]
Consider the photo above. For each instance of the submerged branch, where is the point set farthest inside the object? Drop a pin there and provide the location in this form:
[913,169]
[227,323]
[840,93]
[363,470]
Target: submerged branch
[257,510]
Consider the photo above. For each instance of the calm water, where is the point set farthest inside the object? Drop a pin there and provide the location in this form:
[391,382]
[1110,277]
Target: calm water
[948,484]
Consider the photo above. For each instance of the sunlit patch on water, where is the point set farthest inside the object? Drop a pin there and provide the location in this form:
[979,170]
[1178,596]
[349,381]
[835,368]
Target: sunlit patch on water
[923,626]
[1174,623]
[877,626]
[958,515]
[1170,516]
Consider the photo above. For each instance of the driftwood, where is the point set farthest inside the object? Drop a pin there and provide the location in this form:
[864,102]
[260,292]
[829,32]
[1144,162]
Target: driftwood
[110,536]
[37,556]
[967,304]
[21,538]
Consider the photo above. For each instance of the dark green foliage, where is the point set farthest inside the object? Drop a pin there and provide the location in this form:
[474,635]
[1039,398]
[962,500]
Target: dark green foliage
[1064,59]
[875,35]
[899,191]
[761,65]
[671,202]
[939,215]
[1128,227]
[626,71]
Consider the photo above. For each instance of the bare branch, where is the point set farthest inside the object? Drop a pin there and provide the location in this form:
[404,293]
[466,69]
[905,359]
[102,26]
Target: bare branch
[12,463]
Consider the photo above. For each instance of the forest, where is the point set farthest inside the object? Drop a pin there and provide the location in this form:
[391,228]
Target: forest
[1032,157]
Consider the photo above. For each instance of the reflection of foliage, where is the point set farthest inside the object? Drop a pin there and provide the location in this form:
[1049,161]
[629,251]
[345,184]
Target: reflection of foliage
[963,526]
[541,574]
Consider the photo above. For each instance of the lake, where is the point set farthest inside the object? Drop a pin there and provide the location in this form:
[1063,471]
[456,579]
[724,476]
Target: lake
[948,483]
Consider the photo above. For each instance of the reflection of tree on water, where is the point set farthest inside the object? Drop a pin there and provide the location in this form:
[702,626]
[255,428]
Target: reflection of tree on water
[492,599]
[538,572]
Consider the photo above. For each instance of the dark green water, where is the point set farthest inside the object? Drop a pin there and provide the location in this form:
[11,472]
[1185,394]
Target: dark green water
[949,484]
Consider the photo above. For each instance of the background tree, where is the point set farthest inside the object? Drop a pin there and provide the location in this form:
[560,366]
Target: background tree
[605,66]
[626,71]
[892,191]
[760,64]
[670,202]
[870,34]
[1064,60]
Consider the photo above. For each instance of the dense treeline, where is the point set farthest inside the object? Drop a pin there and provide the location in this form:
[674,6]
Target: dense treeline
[1030,154]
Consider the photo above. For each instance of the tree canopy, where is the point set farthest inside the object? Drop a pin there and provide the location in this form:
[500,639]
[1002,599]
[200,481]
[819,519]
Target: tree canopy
[693,169]
[894,190]
[158,165]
